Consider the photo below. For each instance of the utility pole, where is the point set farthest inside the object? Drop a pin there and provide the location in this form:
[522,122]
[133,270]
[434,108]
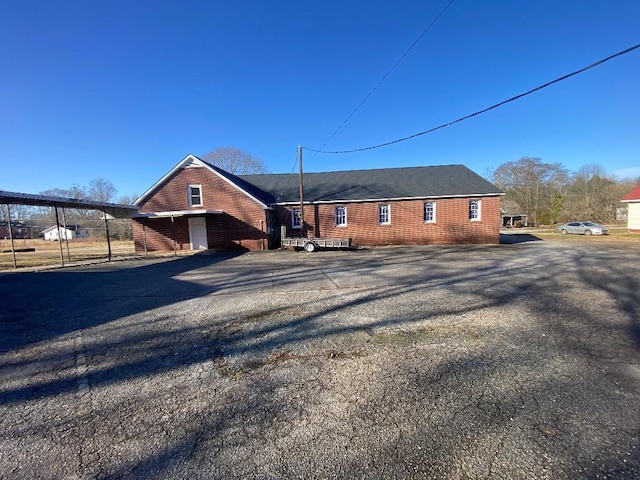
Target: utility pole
[302,229]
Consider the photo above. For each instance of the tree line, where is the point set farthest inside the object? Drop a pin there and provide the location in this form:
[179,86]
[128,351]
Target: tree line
[549,193]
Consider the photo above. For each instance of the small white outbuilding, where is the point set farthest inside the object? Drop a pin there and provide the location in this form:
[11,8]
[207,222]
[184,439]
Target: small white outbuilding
[632,199]
[53,234]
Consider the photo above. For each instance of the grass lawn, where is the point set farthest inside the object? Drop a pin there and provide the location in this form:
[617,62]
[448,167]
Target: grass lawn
[48,253]
[617,233]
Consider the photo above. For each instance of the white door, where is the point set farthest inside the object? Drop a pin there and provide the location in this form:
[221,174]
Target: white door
[198,233]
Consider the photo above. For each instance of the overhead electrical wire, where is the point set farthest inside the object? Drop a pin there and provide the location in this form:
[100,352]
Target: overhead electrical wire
[424,32]
[479,112]
[295,164]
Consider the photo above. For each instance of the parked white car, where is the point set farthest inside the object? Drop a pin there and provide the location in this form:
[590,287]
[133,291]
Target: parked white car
[583,228]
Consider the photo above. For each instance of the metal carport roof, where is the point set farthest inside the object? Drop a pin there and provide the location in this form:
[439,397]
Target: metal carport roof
[115,210]
[110,210]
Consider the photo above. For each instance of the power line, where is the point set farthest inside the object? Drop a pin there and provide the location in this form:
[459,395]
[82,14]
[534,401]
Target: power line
[479,112]
[295,164]
[424,32]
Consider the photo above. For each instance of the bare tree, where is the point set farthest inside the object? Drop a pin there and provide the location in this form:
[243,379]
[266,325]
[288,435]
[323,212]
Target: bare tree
[121,228]
[594,195]
[235,161]
[536,186]
[76,191]
[128,199]
[19,213]
[72,215]
[101,190]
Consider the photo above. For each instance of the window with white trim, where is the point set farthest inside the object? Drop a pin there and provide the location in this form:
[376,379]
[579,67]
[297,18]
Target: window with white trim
[474,210]
[384,214]
[195,195]
[341,216]
[295,218]
[430,212]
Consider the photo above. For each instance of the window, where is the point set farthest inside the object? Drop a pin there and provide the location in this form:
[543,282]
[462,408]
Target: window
[195,195]
[295,218]
[384,214]
[430,212]
[474,210]
[341,216]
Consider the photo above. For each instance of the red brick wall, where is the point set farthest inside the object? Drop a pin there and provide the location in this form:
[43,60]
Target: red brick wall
[407,222]
[237,227]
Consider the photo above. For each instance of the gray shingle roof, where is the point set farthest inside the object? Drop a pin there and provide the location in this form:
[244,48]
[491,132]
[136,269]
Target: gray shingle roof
[250,187]
[376,184]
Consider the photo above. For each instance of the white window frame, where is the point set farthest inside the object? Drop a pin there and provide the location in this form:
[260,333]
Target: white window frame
[478,210]
[433,212]
[336,218]
[190,195]
[296,225]
[384,210]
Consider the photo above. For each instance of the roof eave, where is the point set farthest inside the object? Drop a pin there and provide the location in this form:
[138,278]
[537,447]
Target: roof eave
[180,213]
[395,199]
[180,165]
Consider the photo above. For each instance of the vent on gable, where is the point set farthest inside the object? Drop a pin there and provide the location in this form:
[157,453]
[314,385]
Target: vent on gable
[193,163]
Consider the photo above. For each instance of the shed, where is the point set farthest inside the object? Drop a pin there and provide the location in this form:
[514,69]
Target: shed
[69,232]
[632,199]
[512,214]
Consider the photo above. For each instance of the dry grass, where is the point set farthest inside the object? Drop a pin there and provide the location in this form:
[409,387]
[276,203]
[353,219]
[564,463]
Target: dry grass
[48,253]
[617,233]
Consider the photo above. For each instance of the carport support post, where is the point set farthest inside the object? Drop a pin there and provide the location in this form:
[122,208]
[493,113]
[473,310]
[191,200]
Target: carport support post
[173,228]
[144,237]
[66,237]
[13,250]
[55,208]
[106,228]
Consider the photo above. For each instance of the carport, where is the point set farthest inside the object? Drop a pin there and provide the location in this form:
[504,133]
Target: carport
[172,215]
[109,210]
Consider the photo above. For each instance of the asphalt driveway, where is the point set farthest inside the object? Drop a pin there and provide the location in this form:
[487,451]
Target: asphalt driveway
[506,361]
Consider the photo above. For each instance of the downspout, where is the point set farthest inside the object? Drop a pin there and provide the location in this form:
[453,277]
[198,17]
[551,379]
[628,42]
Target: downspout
[261,235]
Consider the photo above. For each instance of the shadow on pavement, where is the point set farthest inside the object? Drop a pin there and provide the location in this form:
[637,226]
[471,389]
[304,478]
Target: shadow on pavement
[43,305]
[513,238]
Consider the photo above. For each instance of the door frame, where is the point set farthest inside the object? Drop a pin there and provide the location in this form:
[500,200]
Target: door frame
[191,232]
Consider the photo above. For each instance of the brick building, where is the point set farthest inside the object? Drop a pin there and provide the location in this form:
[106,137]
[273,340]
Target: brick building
[18,230]
[197,205]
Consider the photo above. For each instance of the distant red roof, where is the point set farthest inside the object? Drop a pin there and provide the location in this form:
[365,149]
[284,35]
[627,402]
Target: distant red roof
[632,195]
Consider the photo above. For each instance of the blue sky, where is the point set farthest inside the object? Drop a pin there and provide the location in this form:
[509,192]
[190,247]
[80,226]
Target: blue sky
[124,90]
